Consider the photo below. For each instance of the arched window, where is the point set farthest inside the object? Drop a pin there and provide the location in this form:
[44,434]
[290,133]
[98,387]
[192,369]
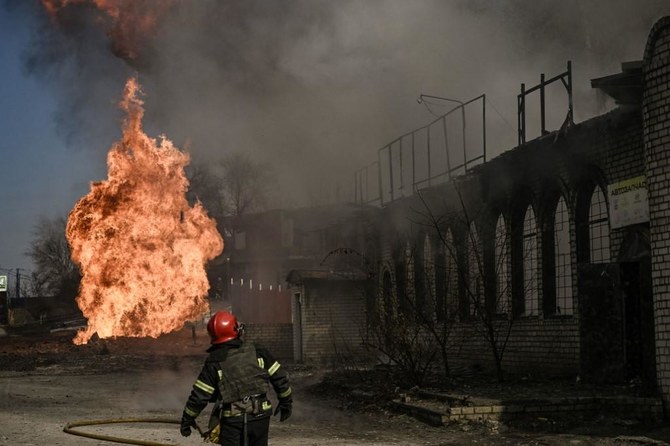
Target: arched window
[475,291]
[386,304]
[599,230]
[407,300]
[401,274]
[562,260]
[446,278]
[451,268]
[502,259]
[429,278]
[530,263]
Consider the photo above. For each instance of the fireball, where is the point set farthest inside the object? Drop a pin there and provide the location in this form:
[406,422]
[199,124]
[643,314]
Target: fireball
[141,248]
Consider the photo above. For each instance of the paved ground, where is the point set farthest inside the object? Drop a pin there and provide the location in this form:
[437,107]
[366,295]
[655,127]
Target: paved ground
[45,383]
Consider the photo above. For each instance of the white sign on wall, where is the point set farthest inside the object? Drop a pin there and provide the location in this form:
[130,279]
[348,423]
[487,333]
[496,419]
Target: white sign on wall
[628,202]
[3,283]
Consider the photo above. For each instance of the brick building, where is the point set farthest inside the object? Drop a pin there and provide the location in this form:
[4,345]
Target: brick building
[292,275]
[329,315]
[656,133]
[563,239]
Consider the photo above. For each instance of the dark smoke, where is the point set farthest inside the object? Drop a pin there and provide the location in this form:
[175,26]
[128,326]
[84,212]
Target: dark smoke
[74,60]
[315,87]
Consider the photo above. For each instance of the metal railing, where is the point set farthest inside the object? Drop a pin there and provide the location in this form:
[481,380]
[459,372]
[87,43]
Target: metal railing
[565,78]
[424,157]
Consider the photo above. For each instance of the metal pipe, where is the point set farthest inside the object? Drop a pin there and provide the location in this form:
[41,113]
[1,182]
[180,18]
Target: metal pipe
[484,124]
[421,96]
[465,151]
[391,169]
[569,87]
[379,174]
[446,145]
[428,154]
[413,165]
[521,114]
[402,183]
[542,111]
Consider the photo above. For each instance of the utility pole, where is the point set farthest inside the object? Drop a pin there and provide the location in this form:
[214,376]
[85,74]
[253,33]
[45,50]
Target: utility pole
[18,283]
[4,301]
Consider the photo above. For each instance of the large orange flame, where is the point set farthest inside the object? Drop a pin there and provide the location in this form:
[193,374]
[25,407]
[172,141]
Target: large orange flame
[140,246]
[127,22]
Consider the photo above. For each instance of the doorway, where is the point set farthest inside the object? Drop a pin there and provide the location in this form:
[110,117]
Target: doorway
[639,337]
[636,289]
[601,323]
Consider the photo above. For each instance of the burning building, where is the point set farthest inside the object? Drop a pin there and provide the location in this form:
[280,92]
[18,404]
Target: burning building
[561,242]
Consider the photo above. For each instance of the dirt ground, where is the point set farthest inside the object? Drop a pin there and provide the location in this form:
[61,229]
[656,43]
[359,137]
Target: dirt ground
[46,382]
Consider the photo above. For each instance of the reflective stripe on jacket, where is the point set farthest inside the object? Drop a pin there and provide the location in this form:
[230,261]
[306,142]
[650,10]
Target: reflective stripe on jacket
[205,389]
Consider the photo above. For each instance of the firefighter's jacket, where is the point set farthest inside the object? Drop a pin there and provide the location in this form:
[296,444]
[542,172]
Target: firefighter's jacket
[206,387]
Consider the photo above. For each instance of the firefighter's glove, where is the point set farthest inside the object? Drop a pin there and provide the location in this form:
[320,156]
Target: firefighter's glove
[285,409]
[213,435]
[186,423]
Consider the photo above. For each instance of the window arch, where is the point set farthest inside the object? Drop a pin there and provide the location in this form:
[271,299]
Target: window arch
[599,233]
[386,301]
[446,278]
[502,267]
[562,260]
[451,268]
[475,288]
[407,300]
[401,278]
[428,306]
[530,263]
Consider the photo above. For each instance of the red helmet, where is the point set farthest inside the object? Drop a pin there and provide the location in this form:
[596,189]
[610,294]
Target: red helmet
[222,327]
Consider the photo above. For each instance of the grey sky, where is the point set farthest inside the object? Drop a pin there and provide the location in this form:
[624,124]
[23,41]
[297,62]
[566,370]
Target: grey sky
[313,87]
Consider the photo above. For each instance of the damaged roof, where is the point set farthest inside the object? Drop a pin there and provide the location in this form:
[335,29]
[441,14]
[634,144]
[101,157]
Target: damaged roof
[624,87]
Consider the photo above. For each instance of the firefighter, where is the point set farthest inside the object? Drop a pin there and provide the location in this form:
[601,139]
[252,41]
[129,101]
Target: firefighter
[235,377]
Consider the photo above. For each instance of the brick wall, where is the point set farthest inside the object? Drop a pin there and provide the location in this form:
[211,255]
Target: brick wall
[656,105]
[277,338]
[536,345]
[333,317]
[602,150]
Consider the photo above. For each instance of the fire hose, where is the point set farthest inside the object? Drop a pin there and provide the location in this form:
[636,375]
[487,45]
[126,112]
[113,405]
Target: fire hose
[69,430]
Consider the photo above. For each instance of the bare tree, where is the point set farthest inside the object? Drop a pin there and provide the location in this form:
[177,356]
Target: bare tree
[233,186]
[246,184]
[55,273]
[434,310]
[396,335]
[410,324]
[482,266]
[19,284]
[206,187]
[389,329]
[229,188]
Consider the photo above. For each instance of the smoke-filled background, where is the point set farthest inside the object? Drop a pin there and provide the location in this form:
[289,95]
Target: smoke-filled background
[311,87]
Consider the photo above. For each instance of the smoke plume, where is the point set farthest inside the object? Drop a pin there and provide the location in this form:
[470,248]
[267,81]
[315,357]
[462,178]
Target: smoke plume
[316,87]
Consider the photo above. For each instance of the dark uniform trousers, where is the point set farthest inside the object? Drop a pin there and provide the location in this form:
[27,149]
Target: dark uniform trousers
[207,389]
[232,431]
